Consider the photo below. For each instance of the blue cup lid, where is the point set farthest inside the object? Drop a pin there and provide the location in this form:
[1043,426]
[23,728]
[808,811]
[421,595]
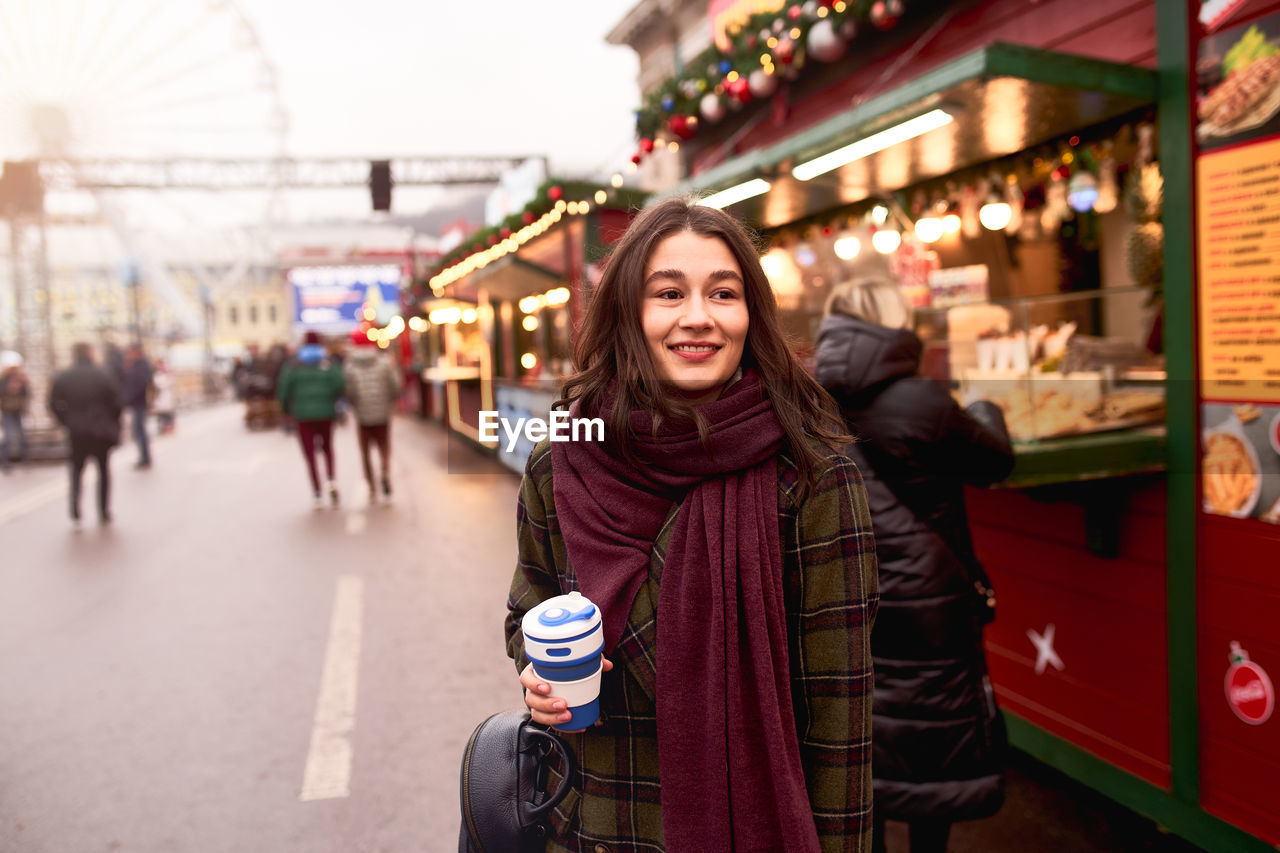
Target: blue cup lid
[561,617]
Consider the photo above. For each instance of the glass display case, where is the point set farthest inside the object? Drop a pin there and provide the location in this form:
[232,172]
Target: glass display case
[1057,365]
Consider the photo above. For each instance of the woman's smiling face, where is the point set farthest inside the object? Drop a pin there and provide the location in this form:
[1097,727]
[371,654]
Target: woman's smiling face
[694,314]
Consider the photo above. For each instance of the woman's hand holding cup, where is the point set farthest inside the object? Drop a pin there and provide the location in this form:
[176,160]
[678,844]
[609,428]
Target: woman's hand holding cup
[544,708]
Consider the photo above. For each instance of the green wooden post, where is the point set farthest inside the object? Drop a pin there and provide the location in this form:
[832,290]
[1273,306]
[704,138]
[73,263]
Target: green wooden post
[1173,48]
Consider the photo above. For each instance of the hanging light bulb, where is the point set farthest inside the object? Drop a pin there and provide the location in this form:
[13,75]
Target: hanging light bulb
[1082,191]
[771,264]
[929,229]
[1108,190]
[886,240]
[1014,198]
[995,213]
[951,223]
[847,247]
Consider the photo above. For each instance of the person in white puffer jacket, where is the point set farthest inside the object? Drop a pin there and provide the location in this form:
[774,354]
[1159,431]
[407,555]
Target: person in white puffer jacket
[372,386]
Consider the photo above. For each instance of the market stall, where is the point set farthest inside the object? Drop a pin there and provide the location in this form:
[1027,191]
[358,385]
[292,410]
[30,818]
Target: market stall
[1035,206]
[527,279]
[1236,192]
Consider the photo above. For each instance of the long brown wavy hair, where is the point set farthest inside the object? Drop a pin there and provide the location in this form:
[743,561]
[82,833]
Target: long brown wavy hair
[611,343]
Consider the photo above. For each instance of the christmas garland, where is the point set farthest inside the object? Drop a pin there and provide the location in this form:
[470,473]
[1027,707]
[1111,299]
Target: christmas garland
[765,49]
[553,198]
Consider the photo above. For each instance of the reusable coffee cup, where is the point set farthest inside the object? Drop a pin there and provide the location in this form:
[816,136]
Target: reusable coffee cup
[564,638]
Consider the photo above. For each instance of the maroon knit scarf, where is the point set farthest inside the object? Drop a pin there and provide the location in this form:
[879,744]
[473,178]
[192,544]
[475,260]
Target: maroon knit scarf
[727,747]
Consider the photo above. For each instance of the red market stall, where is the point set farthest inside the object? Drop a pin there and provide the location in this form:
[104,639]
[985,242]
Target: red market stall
[1129,323]
[1235,133]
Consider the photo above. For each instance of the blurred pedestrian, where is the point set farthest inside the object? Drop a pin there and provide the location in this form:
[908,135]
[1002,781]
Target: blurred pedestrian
[239,375]
[85,399]
[938,736]
[114,363]
[135,392]
[308,392]
[277,358]
[15,397]
[372,386]
[739,719]
[164,402]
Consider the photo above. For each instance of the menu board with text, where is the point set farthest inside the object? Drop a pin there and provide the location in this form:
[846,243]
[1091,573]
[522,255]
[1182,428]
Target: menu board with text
[1239,276]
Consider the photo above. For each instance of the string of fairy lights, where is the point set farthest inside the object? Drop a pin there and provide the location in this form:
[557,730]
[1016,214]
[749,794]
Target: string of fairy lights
[481,259]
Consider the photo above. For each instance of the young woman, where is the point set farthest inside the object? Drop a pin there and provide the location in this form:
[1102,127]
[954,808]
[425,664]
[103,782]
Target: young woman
[728,544]
[939,739]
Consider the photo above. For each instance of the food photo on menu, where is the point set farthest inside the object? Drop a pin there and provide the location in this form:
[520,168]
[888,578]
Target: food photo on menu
[1240,460]
[1238,78]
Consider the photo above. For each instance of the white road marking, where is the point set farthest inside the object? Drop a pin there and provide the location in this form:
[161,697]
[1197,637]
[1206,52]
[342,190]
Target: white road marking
[32,499]
[328,771]
[357,521]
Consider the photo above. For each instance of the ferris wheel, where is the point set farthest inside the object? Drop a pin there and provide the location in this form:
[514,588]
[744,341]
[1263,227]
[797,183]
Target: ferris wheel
[136,79]
[141,80]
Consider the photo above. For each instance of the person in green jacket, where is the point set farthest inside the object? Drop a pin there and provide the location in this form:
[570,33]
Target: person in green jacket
[308,392]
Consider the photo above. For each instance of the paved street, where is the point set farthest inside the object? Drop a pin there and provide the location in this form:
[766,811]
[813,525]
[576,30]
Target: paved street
[226,669]
[162,676]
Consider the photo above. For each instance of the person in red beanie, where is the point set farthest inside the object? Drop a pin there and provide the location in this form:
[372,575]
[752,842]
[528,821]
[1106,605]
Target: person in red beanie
[308,393]
[372,387]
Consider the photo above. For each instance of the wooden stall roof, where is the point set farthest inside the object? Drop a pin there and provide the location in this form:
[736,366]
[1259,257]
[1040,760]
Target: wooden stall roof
[1004,98]
[538,265]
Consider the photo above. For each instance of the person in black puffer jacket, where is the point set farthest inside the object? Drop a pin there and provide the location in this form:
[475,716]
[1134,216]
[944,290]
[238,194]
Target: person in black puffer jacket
[938,738]
[86,400]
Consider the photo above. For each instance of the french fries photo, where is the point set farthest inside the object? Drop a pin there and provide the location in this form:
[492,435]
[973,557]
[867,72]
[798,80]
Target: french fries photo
[1229,474]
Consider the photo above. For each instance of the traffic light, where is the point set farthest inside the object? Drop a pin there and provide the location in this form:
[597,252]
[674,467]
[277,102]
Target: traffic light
[380,184]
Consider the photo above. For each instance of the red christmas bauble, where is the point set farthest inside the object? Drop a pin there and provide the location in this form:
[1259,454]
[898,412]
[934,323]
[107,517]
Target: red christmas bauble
[739,90]
[504,232]
[555,193]
[885,13]
[684,127]
[794,12]
[636,158]
[785,51]
[527,217]
[646,145]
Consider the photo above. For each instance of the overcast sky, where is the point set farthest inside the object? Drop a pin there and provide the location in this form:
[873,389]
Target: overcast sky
[389,77]
[152,79]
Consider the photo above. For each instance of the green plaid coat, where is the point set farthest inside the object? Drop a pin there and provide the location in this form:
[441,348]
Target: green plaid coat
[829,570]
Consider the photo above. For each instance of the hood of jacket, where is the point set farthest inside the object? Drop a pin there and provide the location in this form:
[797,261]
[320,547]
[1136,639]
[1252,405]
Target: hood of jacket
[853,355]
[364,356]
[311,354]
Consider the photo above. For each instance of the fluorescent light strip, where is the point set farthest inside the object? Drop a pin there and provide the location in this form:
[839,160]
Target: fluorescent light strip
[736,193]
[866,146]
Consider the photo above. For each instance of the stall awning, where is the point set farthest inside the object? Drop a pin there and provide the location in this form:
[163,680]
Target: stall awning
[539,265]
[513,277]
[1000,99]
